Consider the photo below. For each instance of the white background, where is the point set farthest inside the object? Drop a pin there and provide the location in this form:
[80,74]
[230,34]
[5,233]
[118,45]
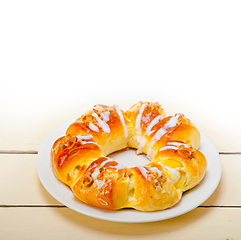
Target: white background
[58,58]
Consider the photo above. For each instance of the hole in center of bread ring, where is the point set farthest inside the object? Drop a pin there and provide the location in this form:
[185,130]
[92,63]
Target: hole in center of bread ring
[129,158]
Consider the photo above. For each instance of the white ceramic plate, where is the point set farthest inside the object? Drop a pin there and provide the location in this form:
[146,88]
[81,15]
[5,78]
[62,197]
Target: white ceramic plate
[190,200]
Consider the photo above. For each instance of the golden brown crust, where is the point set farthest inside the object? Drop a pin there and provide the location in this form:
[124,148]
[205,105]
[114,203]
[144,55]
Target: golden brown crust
[182,163]
[153,190]
[103,184]
[80,160]
[71,153]
[104,124]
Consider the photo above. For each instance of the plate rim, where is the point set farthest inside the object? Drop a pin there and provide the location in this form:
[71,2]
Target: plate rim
[110,215]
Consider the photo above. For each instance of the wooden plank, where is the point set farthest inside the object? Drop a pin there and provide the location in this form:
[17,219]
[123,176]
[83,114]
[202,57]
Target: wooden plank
[55,223]
[228,193]
[19,182]
[23,186]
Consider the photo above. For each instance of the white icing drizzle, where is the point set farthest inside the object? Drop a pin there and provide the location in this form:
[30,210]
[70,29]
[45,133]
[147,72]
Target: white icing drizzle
[106,161]
[87,137]
[140,139]
[152,124]
[93,127]
[118,166]
[84,142]
[168,147]
[138,118]
[102,123]
[100,184]
[105,116]
[95,174]
[97,171]
[170,124]
[179,144]
[172,121]
[158,135]
[79,120]
[143,171]
[174,145]
[122,120]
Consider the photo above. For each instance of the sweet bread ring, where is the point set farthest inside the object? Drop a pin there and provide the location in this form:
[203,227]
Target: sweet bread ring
[80,158]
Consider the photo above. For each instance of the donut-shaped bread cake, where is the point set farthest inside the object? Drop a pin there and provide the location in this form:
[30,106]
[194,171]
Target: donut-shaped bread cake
[80,158]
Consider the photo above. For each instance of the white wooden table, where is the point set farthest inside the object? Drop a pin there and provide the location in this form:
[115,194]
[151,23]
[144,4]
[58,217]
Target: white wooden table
[58,59]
